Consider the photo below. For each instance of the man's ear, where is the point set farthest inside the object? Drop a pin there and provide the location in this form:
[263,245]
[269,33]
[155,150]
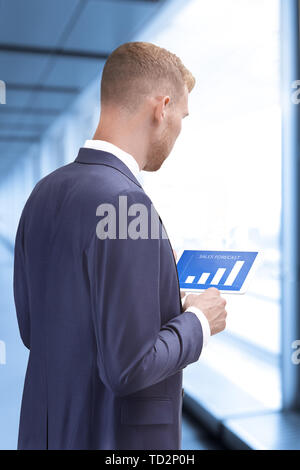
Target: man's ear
[160,108]
[167,100]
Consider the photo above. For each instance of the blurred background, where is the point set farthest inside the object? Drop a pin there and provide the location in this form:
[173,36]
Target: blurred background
[230,183]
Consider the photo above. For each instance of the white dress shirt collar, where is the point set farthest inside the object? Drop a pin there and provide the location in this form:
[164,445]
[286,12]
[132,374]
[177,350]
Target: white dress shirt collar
[126,158]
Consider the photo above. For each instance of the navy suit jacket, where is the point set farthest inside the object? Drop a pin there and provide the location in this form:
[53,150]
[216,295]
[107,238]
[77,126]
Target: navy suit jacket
[102,318]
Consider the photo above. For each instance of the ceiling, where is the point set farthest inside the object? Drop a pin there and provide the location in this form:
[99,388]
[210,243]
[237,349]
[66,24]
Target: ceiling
[50,50]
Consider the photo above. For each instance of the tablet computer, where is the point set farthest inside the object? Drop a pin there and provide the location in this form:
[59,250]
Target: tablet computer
[228,271]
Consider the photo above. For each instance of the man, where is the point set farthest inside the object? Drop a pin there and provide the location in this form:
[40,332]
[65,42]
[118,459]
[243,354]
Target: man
[96,286]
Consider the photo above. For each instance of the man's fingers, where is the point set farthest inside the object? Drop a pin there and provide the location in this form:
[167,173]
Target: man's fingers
[182,294]
[214,289]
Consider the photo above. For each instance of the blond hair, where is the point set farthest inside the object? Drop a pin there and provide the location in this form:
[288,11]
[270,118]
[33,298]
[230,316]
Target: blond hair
[135,70]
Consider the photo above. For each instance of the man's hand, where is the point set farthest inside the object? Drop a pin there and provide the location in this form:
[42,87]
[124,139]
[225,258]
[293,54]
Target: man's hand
[212,305]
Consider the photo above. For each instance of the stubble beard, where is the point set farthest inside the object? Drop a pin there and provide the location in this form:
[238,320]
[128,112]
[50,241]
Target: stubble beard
[158,152]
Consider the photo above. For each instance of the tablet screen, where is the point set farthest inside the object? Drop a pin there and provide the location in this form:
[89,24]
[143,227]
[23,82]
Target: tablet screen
[228,271]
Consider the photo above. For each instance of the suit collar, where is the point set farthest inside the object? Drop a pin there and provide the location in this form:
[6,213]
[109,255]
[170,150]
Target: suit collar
[98,157]
[109,147]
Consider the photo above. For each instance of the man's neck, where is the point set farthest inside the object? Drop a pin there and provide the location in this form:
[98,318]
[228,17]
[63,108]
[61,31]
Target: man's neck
[123,144]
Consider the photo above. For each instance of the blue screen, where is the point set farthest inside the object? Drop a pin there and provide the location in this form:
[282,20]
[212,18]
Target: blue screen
[225,270]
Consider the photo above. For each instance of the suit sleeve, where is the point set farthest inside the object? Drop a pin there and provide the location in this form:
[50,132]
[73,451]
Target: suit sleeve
[134,350]
[20,285]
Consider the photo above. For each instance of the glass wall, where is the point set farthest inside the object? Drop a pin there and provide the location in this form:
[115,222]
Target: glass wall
[220,188]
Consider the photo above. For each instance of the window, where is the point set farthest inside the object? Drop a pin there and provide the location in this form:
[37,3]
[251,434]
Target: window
[220,188]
